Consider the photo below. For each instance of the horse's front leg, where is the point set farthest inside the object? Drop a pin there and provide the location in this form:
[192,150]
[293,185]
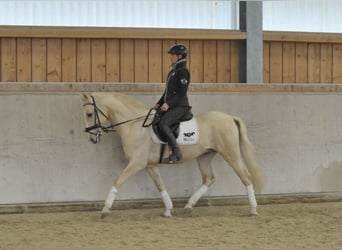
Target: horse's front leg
[158,181]
[132,168]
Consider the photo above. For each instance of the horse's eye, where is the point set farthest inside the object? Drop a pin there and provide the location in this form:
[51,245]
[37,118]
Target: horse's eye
[89,115]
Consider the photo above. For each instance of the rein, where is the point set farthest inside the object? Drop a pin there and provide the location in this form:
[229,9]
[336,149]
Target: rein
[97,122]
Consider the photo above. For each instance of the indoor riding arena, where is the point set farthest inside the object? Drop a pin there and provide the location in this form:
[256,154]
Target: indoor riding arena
[54,181]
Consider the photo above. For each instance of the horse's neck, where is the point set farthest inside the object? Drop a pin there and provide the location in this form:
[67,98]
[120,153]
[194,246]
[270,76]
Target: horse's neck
[122,110]
[125,109]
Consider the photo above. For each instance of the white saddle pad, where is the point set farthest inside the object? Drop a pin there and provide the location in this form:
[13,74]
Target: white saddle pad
[188,133]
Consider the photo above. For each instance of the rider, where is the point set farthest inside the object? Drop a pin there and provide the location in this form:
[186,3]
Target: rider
[174,102]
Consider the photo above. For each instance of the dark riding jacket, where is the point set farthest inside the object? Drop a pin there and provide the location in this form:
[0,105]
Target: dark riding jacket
[178,79]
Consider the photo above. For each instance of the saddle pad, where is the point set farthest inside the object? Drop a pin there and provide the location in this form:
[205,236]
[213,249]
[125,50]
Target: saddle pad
[188,133]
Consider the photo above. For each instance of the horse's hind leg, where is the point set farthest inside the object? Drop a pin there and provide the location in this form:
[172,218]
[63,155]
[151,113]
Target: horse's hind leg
[204,164]
[158,181]
[245,177]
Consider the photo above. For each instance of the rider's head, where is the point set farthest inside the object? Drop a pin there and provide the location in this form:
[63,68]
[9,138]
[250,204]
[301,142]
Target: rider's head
[177,52]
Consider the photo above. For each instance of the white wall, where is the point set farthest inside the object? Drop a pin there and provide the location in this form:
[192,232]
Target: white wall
[118,13]
[284,15]
[45,156]
[303,15]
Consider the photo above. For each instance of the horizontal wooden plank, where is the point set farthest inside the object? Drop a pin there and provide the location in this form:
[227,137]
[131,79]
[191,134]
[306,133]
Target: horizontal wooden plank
[161,33]
[56,88]
[308,37]
[125,33]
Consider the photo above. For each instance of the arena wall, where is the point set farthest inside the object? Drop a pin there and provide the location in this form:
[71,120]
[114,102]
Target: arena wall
[46,157]
[103,54]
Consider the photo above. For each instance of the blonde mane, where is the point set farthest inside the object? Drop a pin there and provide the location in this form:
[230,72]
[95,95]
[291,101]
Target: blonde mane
[125,102]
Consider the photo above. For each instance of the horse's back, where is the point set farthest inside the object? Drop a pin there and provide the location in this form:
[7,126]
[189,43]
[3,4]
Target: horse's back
[215,117]
[216,124]
[220,132]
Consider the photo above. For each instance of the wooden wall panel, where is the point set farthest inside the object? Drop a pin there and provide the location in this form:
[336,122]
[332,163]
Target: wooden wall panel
[39,63]
[288,57]
[337,63]
[301,63]
[69,60]
[127,60]
[155,61]
[210,61]
[196,61]
[266,52]
[326,63]
[276,62]
[234,49]
[113,60]
[98,60]
[24,60]
[289,60]
[141,61]
[54,60]
[223,61]
[84,60]
[8,60]
[0,59]
[314,63]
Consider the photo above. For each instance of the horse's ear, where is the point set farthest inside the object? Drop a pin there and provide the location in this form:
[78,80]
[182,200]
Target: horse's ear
[85,98]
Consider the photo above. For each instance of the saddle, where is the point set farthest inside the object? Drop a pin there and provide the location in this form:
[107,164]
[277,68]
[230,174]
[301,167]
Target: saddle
[174,127]
[185,130]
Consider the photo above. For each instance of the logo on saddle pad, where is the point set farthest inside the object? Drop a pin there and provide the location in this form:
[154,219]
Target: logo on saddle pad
[188,133]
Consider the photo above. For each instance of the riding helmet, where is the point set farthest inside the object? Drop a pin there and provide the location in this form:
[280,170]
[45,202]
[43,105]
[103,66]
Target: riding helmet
[178,49]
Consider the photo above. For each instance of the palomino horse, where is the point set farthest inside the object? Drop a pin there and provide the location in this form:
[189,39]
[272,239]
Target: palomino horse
[219,133]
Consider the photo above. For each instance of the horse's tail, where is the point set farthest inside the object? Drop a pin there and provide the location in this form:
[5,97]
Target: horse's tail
[247,151]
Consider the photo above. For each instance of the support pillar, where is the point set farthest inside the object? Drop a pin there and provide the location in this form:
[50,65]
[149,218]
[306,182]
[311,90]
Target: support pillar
[251,50]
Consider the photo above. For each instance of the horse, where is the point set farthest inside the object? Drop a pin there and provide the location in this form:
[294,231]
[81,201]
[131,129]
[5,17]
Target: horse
[220,133]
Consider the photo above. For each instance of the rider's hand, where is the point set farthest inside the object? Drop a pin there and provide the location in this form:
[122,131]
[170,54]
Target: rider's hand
[164,107]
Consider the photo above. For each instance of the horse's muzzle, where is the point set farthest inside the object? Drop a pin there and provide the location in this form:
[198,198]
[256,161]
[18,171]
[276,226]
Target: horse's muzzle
[96,137]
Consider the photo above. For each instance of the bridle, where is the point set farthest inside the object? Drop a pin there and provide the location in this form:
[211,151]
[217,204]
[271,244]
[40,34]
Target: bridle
[98,125]
[97,121]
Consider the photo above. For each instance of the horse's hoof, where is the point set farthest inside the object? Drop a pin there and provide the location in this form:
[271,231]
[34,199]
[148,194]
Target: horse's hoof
[104,215]
[167,214]
[188,211]
[254,212]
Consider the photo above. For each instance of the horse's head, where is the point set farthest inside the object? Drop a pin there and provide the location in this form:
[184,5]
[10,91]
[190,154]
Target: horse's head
[94,118]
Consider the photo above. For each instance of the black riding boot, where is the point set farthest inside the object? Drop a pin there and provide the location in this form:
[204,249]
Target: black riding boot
[176,154]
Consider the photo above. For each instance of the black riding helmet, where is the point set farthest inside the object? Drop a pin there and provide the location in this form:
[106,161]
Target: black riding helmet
[178,49]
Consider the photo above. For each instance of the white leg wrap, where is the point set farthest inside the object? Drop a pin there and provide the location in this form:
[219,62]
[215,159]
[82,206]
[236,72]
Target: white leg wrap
[198,194]
[111,197]
[167,200]
[251,196]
